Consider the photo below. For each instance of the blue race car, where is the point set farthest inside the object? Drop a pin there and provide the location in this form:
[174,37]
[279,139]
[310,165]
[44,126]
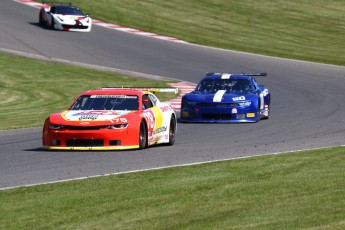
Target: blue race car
[225,97]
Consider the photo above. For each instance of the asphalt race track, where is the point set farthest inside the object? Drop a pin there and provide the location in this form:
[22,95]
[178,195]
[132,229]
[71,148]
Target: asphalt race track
[307,109]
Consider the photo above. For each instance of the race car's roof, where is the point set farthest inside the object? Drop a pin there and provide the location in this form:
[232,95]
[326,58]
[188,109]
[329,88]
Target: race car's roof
[66,10]
[129,91]
[113,91]
[232,75]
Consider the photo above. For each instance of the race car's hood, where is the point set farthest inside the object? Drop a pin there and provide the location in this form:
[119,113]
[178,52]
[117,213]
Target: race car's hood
[219,96]
[88,117]
[70,19]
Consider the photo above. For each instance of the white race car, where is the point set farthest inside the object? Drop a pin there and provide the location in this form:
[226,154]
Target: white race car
[64,17]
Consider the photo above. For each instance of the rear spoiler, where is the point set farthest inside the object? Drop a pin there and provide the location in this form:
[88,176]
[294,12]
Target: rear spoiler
[152,90]
[240,74]
[53,3]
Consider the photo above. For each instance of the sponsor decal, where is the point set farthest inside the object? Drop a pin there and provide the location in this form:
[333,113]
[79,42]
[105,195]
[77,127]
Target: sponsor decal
[250,115]
[165,108]
[88,117]
[161,129]
[93,115]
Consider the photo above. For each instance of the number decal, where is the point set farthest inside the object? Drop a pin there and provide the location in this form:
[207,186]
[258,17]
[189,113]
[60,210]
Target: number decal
[241,98]
[122,119]
[150,119]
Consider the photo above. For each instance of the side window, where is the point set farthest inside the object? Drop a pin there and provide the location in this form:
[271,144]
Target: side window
[147,102]
[52,10]
[153,99]
[256,87]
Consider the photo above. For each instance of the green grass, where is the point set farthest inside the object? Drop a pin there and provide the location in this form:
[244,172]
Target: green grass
[302,190]
[312,30]
[31,90]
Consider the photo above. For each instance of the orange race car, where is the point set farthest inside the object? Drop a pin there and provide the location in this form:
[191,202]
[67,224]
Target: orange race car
[112,119]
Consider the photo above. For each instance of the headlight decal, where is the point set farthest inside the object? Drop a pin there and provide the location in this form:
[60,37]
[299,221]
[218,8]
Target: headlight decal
[191,103]
[244,103]
[55,126]
[118,126]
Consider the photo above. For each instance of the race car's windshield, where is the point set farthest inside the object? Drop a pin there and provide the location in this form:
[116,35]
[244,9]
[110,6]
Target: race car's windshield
[230,85]
[106,102]
[67,10]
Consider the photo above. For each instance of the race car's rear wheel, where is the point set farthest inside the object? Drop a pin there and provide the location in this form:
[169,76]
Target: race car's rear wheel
[142,136]
[40,19]
[172,130]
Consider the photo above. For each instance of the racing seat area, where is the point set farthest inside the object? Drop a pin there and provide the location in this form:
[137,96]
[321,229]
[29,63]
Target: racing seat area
[237,87]
[241,85]
[146,102]
[217,86]
[121,104]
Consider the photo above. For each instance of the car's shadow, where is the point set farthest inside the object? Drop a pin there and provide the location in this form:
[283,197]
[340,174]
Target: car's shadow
[38,149]
[37,24]
[41,149]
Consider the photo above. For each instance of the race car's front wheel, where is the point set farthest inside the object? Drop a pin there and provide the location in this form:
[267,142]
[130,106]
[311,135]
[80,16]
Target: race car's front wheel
[142,136]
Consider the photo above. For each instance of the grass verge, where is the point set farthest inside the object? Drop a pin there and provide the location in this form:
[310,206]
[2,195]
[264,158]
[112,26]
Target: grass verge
[312,30]
[31,89]
[302,190]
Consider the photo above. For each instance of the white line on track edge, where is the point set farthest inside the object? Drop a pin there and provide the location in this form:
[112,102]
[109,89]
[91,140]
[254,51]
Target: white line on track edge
[163,167]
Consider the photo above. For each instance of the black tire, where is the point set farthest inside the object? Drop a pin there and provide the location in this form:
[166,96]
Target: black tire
[172,131]
[40,19]
[142,136]
[52,24]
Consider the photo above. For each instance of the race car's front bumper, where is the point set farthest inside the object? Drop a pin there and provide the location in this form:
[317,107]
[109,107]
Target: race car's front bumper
[102,139]
[76,27]
[81,26]
[219,114]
